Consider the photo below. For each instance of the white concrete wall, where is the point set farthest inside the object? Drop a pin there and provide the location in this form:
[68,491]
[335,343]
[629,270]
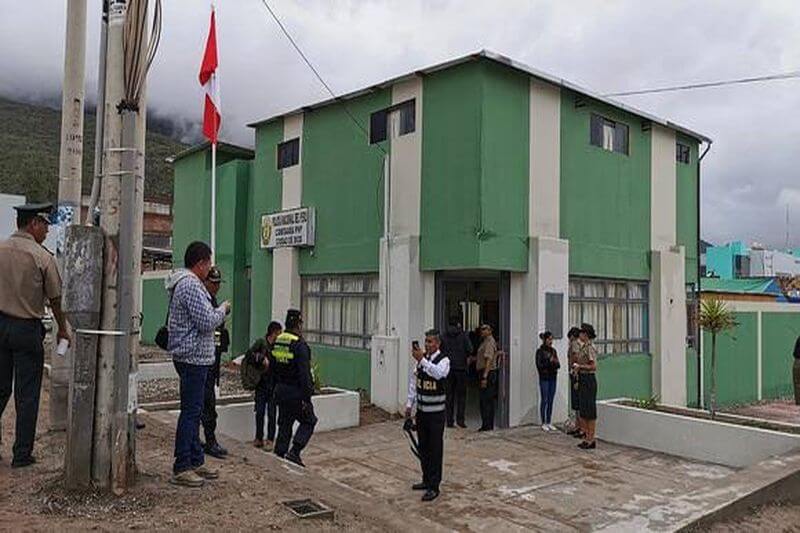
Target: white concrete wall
[545,159]
[663,189]
[405,161]
[693,438]
[668,325]
[285,266]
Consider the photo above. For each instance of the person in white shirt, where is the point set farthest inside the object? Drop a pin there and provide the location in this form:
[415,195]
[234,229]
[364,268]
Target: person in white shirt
[426,389]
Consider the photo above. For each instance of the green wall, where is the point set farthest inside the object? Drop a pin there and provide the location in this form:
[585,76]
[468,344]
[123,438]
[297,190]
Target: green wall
[692,399]
[475,146]
[154,308]
[266,187]
[342,367]
[343,181]
[737,363]
[687,206]
[778,334]
[624,376]
[605,196]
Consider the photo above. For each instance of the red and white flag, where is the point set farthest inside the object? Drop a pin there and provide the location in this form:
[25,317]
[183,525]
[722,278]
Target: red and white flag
[208,79]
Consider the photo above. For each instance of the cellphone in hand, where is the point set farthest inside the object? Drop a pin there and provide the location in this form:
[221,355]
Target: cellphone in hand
[415,345]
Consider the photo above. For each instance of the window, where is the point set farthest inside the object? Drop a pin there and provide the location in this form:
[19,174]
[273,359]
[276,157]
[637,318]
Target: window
[617,309]
[288,153]
[608,135]
[402,118]
[553,313]
[340,310]
[682,153]
[741,266]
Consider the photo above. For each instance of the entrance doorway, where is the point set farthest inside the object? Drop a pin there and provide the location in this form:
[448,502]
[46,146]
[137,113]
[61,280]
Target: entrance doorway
[477,298]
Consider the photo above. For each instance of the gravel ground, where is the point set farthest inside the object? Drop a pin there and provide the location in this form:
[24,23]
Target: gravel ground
[166,389]
[773,518]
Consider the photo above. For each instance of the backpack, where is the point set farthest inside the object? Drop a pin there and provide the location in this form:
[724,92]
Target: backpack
[252,368]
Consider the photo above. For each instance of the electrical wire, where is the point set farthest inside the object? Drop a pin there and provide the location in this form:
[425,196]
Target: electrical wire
[317,74]
[137,60]
[739,81]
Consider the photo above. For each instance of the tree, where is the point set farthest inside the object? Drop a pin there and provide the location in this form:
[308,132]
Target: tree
[715,317]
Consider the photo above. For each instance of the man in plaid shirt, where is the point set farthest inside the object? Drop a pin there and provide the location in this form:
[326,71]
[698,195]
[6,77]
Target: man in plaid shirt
[191,324]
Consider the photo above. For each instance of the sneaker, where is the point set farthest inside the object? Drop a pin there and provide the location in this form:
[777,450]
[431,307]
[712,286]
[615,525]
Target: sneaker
[587,445]
[269,445]
[258,443]
[545,427]
[419,486]
[215,450]
[552,427]
[187,478]
[294,457]
[206,473]
[430,495]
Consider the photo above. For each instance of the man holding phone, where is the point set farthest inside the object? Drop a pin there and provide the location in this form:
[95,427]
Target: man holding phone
[426,389]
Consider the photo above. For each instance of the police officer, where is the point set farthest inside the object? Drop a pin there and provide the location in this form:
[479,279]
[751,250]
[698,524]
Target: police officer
[426,388]
[29,278]
[294,386]
[222,340]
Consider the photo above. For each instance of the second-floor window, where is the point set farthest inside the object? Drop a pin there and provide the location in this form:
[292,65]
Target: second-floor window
[682,153]
[608,134]
[398,119]
[288,153]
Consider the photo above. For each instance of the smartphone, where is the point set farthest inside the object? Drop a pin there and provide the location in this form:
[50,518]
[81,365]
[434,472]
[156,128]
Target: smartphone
[415,345]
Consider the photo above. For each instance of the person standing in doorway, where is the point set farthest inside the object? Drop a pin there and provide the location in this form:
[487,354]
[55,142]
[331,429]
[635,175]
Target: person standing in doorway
[29,278]
[796,371]
[486,368]
[192,322]
[265,401]
[222,341]
[426,389]
[294,386]
[458,348]
[573,349]
[547,364]
[586,367]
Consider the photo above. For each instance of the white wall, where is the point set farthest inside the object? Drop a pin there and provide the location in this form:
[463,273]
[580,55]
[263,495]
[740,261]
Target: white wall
[663,189]
[545,159]
[668,325]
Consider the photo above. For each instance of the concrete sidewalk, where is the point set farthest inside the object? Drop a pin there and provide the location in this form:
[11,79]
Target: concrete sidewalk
[526,479]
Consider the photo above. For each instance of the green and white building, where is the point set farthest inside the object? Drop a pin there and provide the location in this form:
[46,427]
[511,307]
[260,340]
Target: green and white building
[478,186]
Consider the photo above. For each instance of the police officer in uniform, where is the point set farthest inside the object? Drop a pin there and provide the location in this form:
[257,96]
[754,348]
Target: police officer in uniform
[29,278]
[294,386]
[222,341]
[426,388]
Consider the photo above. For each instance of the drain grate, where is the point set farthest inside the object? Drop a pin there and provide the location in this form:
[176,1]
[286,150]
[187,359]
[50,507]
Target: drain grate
[309,509]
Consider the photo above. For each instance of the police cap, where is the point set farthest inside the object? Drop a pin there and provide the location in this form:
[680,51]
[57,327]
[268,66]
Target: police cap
[45,211]
[293,316]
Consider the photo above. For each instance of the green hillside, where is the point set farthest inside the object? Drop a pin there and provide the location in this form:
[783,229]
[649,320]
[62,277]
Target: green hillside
[29,144]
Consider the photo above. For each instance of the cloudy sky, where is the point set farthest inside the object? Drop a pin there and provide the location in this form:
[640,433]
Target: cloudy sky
[751,174]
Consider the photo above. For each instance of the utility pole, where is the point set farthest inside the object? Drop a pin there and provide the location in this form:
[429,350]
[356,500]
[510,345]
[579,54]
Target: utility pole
[69,176]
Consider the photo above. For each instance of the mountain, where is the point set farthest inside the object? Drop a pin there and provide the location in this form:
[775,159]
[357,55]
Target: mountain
[29,145]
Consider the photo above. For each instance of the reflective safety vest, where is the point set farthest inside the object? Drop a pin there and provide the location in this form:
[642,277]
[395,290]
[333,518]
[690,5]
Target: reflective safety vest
[431,394]
[284,370]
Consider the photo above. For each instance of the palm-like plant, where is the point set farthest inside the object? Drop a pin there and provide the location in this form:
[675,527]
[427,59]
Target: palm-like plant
[715,317]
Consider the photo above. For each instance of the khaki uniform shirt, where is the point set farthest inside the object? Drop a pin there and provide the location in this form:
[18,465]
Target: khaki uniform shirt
[29,276]
[487,354]
[574,350]
[586,355]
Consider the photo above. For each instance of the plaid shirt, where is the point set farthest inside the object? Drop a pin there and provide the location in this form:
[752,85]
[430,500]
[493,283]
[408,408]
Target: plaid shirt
[192,321]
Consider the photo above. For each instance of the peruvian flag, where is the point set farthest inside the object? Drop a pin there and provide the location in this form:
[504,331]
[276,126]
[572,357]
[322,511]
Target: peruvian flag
[208,79]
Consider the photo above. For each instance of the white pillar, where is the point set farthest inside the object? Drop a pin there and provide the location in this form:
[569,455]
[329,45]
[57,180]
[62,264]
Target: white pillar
[286,261]
[668,325]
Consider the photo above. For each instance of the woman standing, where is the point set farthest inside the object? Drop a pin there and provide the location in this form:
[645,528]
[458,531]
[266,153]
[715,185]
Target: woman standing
[586,366]
[572,358]
[547,364]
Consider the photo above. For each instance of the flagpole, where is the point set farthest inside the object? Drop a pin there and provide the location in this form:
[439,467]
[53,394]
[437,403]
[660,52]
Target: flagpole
[213,199]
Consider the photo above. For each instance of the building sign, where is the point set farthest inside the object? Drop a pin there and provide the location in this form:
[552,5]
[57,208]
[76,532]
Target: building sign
[292,228]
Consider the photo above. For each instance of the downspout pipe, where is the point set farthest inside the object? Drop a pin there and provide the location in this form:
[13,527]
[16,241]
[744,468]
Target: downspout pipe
[697,285]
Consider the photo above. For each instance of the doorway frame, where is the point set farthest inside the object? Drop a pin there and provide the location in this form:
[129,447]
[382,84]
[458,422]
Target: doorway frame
[503,280]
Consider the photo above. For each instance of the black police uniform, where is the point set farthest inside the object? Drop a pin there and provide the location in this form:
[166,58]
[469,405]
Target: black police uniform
[208,417]
[431,405]
[294,386]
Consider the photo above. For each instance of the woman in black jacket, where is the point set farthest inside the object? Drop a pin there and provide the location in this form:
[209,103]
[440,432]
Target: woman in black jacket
[547,364]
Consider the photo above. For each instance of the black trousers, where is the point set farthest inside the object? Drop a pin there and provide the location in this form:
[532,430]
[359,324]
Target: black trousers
[21,366]
[291,412]
[209,415]
[456,389]
[430,430]
[265,404]
[488,399]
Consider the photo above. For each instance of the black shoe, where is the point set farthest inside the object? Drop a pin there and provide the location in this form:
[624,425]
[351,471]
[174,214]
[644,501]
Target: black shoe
[215,450]
[419,486]
[579,435]
[485,429]
[451,425]
[294,458]
[430,495]
[140,425]
[574,432]
[22,463]
[462,425]
[587,445]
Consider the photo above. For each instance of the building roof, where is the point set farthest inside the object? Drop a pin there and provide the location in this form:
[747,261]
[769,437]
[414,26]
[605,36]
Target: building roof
[503,60]
[765,286]
[233,149]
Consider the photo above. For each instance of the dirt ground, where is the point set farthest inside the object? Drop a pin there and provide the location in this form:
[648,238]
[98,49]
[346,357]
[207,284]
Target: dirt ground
[247,495]
[776,518]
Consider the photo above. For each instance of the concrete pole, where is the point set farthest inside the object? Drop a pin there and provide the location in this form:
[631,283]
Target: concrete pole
[69,176]
[110,196]
[99,117]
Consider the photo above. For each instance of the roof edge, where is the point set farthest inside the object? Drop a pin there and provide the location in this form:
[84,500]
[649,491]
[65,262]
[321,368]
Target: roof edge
[240,151]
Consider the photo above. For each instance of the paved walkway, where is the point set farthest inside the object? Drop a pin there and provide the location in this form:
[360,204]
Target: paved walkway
[524,479]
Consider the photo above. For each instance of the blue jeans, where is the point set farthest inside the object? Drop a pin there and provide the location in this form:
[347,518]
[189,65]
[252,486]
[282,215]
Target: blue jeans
[188,451]
[265,404]
[547,390]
